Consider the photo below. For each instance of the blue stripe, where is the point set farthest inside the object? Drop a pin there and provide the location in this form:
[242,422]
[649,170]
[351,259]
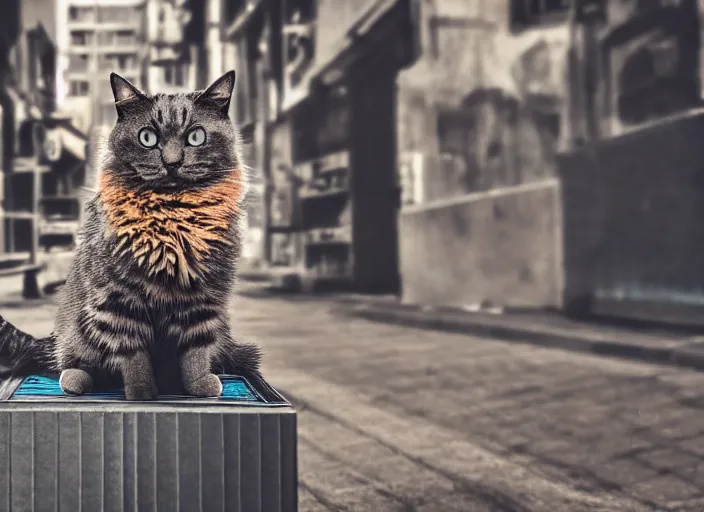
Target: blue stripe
[234,388]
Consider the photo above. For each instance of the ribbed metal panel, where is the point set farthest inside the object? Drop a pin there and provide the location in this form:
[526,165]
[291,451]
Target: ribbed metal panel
[146,457]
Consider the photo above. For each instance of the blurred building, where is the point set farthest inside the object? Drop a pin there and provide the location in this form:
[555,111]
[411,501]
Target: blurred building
[100,36]
[43,151]
[419,146]
[185,44]
[169,62]
[631,195]
[316,90]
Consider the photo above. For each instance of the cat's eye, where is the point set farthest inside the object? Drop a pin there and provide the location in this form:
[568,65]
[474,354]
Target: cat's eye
[147,137]
[196,137]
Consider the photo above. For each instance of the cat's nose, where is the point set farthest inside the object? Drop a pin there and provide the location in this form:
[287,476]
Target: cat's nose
[172,168]
[172,156]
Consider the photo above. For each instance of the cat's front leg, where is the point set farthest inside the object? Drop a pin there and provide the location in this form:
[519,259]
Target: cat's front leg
[138,377]
[195,372]
[197,346]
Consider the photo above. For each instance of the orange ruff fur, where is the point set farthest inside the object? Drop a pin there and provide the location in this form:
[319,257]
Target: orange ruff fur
[171,232]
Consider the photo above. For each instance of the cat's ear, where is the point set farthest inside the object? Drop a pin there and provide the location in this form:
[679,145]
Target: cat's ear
[124,92]
[219,93]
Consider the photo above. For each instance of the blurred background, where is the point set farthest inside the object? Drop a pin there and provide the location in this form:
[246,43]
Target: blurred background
[522,169]
[455,152]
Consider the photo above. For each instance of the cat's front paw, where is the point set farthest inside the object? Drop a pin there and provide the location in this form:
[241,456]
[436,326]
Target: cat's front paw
[75,382]
[208,386]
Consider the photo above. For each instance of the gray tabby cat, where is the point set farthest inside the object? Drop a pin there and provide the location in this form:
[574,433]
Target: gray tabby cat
[146,298]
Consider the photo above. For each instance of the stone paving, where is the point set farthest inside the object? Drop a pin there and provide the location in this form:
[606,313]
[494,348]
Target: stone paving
[394,418]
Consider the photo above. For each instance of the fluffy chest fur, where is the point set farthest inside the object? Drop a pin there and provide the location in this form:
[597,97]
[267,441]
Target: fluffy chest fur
[172,232]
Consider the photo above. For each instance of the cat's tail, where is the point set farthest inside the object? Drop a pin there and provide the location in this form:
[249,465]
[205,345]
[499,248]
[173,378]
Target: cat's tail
[238,358]
[244,359]
[22,353]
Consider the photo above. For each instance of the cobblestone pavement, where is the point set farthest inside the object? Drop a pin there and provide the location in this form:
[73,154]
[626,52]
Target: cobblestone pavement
[399,419]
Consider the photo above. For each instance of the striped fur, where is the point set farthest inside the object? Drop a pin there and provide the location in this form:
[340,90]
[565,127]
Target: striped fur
[147,296]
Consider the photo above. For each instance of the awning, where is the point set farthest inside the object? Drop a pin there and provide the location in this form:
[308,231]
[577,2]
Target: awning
[73,143]
[371,27]
[368,29]
[67,136]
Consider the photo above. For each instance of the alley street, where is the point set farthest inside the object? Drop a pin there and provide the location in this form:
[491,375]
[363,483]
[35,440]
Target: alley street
[398,419]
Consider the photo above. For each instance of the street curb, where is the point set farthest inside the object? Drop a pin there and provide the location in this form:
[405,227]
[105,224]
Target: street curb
[386,311]
[687,356]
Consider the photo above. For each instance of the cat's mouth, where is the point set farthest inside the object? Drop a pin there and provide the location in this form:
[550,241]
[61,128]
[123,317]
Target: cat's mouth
[150,172]
[163,179]
[169,184]
[166,177]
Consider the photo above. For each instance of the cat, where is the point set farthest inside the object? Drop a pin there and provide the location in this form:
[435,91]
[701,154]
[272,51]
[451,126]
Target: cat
[146,297]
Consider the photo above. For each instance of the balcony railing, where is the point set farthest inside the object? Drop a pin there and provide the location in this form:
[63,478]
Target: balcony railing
[80,50]
[119,14]
[114,37]
[120,48]
[82,39]
[78,66]
[131,70]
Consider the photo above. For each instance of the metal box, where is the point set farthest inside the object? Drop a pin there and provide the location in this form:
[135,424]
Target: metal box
[99,452]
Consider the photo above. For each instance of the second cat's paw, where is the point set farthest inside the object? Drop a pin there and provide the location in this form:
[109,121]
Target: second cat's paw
[208,386]
[75,382]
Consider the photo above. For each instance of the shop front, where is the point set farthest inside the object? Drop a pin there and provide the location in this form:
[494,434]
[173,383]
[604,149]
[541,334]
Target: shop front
[344,157]
[341,187]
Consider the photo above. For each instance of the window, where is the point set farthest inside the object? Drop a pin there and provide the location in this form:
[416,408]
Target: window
[78,63]
[79,88]
[525,13]
[174,74]
[126,62]
[81,38]
[649,84]
[81,14]
[118,62]
[125,37]
[105,62]
[117,38]
[106,38]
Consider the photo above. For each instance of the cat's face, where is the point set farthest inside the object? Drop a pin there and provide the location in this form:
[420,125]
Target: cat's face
[172,141]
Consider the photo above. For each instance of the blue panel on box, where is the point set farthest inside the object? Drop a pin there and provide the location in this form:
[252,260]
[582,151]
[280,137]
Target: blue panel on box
[237,389]
[37,385]
[234,388]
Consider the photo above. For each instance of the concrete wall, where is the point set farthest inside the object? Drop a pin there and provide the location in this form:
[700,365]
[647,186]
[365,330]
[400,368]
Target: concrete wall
[633,216]
[500,246]
[485,223]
